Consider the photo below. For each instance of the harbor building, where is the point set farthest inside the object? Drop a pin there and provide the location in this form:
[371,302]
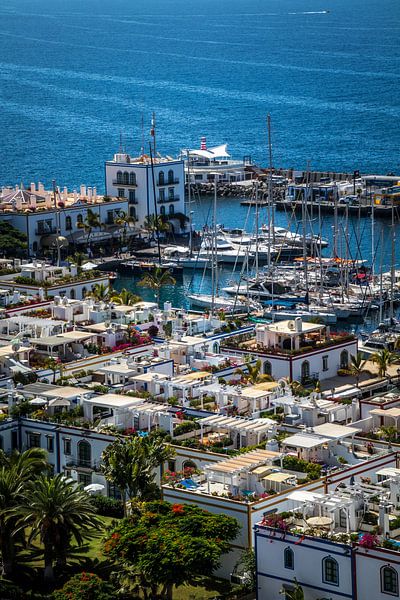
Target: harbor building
[204,164]
[150,186]
[43,217]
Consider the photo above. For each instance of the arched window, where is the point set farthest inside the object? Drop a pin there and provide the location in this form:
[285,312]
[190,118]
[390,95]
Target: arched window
[344,359]
[161,179]
[170,176]
[267,368]
[126,177]
[389,581]
[132,212]
[171,209]
[68,223]
[216,348]
[84,292]
[330,571]
[162,210]
[288,558]
[79,219]
[132,178]
[35,246]
[119,177]
[72,294]
[188,464]
[84,454]
[305,369]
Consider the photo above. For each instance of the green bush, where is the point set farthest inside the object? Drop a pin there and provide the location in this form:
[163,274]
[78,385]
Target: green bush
[292,463]
[108,507]
[185,427]
[85,586]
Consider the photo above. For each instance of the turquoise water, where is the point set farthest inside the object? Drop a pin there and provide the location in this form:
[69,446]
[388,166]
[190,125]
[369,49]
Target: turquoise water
[75,74]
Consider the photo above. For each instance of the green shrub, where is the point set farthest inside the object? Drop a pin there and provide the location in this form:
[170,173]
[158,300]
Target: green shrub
[108,507]
[185,427]
[85,586]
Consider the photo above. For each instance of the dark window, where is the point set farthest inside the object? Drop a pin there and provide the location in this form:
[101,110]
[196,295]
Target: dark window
[170,176]
[110,217]
[35,246]
[305,370]
[267,368]
[33,440]
[171,193]
[389,581]
[14,440]
[79,219]
[171,465]
[171,209]
[72,294]
[132,212]
[344,359]
[132,178]
[68,223]
[162,210]
[330,571]
[162,196]
[84,454]
[67,446]
[84,479]
[121,193]
[126,177]
[132,195]
[50,443]
[119,177]
[161,179]
[288,558]
[325,363]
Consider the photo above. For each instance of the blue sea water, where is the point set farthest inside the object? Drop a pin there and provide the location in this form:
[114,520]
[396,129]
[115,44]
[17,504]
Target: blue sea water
[76,73]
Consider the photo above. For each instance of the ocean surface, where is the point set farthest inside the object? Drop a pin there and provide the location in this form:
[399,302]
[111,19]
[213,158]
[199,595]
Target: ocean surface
[77,76]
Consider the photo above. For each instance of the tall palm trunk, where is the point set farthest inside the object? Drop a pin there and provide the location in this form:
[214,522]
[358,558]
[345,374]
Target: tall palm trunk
[48,564]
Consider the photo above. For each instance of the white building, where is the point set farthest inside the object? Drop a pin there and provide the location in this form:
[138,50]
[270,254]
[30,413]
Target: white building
[36,213]
[149,187]
[297,350]
[202,165]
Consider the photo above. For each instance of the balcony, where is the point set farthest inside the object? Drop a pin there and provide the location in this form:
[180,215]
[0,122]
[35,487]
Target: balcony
[45,230]
[171,181]
[82,463]
[169,199]
[118,183]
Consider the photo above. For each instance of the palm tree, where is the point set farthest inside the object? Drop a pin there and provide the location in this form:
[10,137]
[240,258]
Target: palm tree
[16,472]
[383,359]
[157,280]
[100,292]
[125,297]
[253,374]
[296,593]
[390,433]
[92,221]
[153,224]
[356,368]
[124,221]
[58,512]
[52,364]
[78,258]
[130,465]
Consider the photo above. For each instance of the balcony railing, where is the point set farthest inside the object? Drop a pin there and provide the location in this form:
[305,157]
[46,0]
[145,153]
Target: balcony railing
[82,463]
[45,230]
[168,199]
[171,181]
[124,183]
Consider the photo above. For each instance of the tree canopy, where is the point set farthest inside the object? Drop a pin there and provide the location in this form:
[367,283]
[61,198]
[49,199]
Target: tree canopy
[163,544]
[12,240]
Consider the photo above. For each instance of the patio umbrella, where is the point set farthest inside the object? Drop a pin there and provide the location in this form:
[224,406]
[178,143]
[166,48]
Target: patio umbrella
[94,488]
[319,521]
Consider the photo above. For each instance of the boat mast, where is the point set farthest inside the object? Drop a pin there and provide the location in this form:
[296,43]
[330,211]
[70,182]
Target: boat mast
[214,249]
[304,218]
[392,267]
[373,235]
[270,188]
[189,204]
[58,229]
[155,206]
[256,225]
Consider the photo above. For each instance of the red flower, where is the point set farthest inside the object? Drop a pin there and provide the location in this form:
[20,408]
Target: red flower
[178,509]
